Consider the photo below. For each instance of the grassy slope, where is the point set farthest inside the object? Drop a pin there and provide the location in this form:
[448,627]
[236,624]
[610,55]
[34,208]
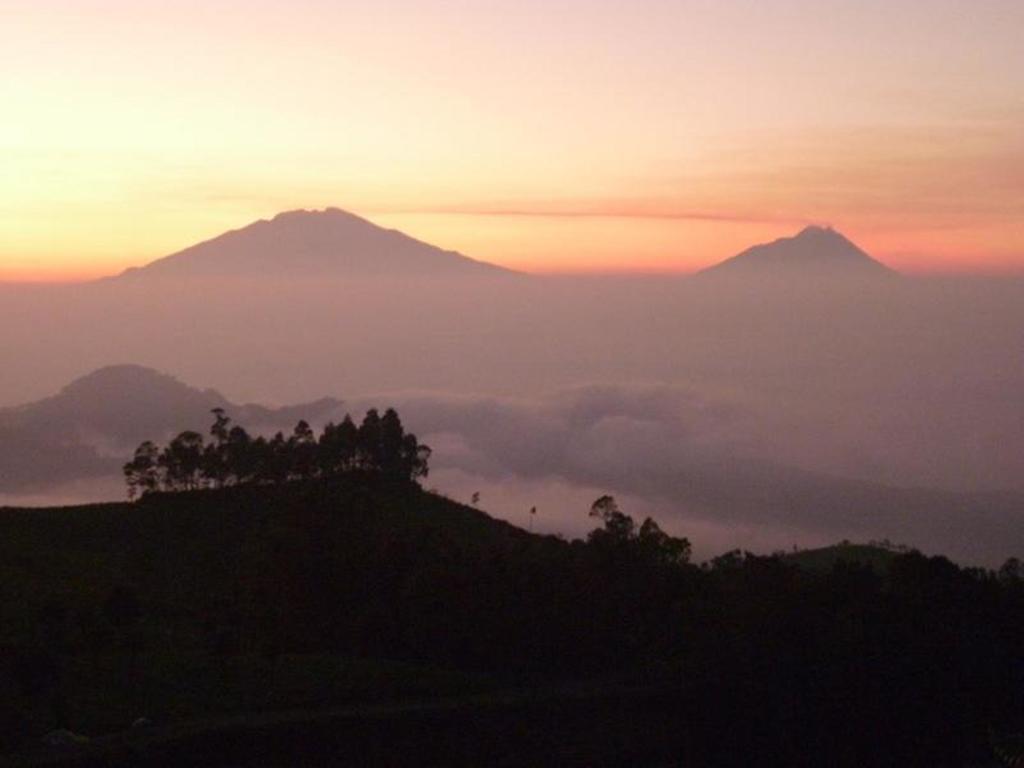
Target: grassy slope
[185,555]
[177,546]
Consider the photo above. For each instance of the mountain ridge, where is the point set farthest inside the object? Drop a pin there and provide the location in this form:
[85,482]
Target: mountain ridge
[312,243]
[87,428]
[125,394]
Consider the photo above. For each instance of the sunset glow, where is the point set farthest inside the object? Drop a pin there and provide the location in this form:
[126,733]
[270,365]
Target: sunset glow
[580,136]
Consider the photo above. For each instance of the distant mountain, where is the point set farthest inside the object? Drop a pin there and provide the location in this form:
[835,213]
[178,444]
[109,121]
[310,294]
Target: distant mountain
[90,427]
[815,252]
[328,243]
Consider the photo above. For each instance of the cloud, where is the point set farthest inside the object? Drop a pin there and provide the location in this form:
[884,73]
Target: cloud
[694,462]
[641,209]
[593,430]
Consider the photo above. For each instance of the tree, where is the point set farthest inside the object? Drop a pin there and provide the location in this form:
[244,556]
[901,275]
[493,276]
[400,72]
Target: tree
[647,543]
[302,451]
[368,443]
[657,546]
[215,465]
[239,459]
[182,462]
[1012,571]
[338,445]
[617,525]
[219,430]
[391,446]
[379,445]
[415,458]
[274,461]
[142,472]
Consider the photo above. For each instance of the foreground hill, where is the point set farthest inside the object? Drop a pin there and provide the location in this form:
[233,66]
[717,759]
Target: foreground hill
[183,580]
[335,594]
[328,243]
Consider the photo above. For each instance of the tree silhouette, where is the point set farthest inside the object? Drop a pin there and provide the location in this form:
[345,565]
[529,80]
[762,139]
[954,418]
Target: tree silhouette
[380,445]
[215,465]
[142,473]
[618,527]
[238,456]
[183,462]
[368,441]
[302,452]
[647,543]
[338,447]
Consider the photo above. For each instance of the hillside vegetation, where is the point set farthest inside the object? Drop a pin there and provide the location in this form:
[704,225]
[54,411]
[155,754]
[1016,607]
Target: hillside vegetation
[359,589]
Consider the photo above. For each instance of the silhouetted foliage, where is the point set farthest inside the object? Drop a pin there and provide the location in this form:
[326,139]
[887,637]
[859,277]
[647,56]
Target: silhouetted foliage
[901,660]
[380,445]
[648,542]
[143,473]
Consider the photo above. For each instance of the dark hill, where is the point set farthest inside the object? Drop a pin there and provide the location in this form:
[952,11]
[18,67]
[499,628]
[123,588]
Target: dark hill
[815,252]
[359,564]
[328,243]
[374,596]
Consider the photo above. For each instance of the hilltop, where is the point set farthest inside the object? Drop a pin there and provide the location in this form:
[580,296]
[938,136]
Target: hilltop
[321,244]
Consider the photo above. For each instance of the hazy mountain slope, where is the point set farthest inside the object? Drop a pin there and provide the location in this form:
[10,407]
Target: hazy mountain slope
[92,424]
[817,252]
[303,243]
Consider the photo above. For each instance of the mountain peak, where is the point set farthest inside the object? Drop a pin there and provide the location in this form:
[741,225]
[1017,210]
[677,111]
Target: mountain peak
[310,214]
[815,251]
[826,235]
[89,427]
[127,373]
[328,243]
[816,230]
[134,385]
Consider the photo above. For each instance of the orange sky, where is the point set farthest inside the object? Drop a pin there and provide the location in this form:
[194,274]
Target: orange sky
[654,135]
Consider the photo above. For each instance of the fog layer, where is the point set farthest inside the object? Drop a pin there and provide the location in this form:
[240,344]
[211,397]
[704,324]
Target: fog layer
[767,403]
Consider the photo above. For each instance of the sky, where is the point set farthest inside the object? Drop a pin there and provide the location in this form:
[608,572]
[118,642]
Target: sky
[571,136]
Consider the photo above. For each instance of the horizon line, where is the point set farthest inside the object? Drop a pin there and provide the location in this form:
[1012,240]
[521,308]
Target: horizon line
[944,272]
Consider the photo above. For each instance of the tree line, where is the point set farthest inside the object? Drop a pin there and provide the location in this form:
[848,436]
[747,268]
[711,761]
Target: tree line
[379,445]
